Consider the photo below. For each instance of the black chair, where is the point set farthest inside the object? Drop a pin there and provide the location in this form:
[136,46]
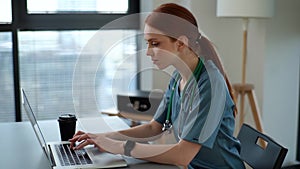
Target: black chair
[259,150]
[295,166]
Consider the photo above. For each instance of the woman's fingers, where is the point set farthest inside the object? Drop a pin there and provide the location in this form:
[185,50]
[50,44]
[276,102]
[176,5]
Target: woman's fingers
[84,139]
[79,133]
[84,143]
[76,136]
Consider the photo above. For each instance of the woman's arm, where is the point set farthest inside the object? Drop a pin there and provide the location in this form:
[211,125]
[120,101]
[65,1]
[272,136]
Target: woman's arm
[180,154]
[141,133]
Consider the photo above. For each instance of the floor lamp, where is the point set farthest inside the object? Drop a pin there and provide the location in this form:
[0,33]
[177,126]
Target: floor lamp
[246,9]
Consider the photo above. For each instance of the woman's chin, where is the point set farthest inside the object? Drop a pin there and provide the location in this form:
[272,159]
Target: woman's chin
[160,67]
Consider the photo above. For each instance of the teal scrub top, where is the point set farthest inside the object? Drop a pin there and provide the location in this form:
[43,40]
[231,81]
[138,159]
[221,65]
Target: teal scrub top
[203,114]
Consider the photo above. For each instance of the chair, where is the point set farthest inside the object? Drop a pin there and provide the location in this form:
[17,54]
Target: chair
[259,150]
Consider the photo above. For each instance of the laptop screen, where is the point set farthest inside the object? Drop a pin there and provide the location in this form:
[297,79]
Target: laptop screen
[35,125]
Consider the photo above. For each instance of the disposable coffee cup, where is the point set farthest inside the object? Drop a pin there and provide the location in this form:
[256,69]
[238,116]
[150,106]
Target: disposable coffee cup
[67,126]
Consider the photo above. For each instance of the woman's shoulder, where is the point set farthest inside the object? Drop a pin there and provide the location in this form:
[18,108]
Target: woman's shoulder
[212,73]
[211,68]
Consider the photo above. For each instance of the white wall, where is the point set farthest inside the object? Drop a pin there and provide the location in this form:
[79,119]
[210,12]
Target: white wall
[281,75]
[272,65]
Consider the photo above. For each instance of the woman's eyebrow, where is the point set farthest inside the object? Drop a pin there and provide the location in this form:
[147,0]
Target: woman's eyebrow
[151,39]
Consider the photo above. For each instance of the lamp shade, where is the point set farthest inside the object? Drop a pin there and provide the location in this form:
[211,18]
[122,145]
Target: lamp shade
[245,8]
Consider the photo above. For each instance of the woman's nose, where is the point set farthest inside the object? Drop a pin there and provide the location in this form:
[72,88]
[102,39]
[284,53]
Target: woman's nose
[149,51]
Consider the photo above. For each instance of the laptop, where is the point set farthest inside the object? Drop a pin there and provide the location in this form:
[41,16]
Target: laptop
[61,156]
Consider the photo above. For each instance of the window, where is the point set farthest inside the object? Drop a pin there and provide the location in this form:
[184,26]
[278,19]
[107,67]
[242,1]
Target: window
[48,60]
[5,11]
[7,110]
[41,43]
[75,6]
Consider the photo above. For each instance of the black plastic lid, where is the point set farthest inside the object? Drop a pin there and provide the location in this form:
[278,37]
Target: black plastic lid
[67,117]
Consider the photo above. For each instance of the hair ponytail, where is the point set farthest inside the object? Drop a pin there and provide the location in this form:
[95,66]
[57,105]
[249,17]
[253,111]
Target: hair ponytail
[208,51]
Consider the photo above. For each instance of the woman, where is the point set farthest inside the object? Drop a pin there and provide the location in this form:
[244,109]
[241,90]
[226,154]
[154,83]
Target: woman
[198,103]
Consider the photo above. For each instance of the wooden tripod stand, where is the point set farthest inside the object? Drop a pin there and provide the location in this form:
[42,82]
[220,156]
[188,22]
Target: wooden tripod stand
[247,89]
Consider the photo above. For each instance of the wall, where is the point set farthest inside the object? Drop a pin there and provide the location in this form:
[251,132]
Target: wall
[281,75]
[272,63]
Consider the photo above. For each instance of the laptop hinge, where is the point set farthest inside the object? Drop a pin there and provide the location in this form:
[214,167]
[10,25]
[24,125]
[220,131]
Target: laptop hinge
[51,158]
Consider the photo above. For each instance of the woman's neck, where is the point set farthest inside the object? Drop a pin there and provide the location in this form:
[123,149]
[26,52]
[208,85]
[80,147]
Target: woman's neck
[186,67]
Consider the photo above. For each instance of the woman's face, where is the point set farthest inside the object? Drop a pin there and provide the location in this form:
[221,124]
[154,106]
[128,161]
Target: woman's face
[161,48]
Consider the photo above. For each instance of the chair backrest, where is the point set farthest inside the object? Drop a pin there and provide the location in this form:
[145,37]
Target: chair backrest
[259,150]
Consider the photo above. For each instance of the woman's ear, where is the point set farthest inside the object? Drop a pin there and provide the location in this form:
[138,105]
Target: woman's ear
[181,42]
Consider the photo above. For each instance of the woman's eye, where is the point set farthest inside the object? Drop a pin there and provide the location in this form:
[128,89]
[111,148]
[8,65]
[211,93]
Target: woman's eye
[154,44]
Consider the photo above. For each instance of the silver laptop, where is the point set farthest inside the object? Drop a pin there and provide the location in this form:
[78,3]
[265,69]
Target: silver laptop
[61,156]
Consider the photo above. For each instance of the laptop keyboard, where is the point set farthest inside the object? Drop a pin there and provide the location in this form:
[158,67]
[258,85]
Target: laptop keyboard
[68,156]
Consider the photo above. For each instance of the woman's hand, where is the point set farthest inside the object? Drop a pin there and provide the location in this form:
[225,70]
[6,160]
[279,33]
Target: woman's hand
[84,139]
[100,141]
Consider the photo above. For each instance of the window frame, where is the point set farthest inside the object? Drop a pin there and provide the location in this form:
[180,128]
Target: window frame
[67,21]
[22,20]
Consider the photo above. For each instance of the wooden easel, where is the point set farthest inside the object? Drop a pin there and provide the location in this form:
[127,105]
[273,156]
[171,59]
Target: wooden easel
[248,89]
[243,88]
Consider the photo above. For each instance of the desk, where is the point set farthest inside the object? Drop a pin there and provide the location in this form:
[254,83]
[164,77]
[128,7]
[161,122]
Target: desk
[134,117]
[20,148]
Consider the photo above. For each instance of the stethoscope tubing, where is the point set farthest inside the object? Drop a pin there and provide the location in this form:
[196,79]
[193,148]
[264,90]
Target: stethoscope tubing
[168,124]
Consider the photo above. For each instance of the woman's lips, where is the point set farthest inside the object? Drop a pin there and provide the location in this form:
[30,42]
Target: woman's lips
[154,60]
